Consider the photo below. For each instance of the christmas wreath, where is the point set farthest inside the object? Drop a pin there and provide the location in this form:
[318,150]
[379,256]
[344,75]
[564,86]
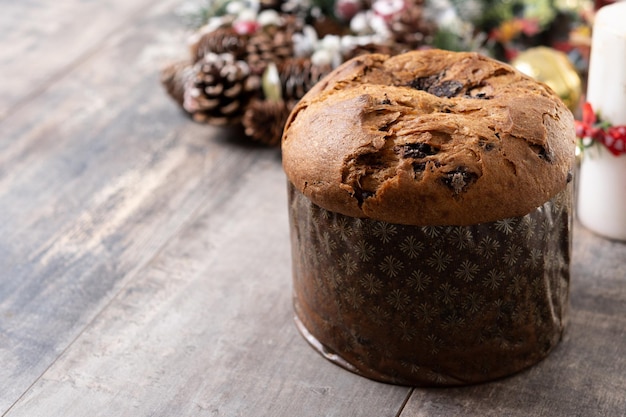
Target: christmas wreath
[250,61]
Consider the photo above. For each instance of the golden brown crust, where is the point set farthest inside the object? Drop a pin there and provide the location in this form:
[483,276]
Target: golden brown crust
[429,137]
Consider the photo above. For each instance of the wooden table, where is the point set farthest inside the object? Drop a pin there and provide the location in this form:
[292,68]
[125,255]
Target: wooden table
[145,261]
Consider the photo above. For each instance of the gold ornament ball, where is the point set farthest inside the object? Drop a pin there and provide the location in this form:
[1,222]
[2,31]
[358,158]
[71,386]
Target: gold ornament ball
[553,68]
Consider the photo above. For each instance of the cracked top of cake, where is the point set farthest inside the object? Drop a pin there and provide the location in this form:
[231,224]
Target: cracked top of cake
[429,138]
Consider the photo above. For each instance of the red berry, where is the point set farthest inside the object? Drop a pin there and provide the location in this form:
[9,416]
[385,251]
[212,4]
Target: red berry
[246,27]
[347,9]
[617,132]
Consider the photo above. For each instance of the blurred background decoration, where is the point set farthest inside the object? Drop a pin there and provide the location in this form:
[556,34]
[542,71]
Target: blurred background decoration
[249,61]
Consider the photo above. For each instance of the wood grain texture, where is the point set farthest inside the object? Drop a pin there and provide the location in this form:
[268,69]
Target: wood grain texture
[207,328]
[82,168]
[43,41]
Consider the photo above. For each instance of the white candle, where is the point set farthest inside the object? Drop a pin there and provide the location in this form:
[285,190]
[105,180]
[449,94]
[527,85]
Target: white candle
[602,181]
[607,67]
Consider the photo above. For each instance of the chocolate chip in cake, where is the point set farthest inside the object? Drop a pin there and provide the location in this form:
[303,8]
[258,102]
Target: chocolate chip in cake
[486,144]
[459,179]
[424,83]
[432,85]
[447,89]
[361,195]
[419,167]
[479,95]
[384,128]
[481,91]
[542,153]
[417,150]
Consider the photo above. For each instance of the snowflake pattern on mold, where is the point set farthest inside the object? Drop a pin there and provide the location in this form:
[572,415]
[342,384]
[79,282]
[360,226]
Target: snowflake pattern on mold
[371,284]
[382,288]
[364,250]
[384,231]
[411,247]
[466,271]
[418,280]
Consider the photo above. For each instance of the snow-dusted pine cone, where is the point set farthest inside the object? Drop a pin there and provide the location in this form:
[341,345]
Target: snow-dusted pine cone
[223,40]
[264,120]
[219,89]
[270,4]
[174,78]
[372,48]
[410,29]
[298,75]
[272,44]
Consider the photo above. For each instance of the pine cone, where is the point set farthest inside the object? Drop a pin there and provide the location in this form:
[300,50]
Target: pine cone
[264,120]
[272,44]
[328,26]
[223,40]
[298,75]
[371,48]
[174,77]
[270,4]
[409,28]
[219,89]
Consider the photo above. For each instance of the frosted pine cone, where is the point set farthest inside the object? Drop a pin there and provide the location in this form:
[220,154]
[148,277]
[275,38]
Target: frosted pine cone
[264,120]
[223,40]
[298,75]
[220,89]
[409,28]
[270,4]
[372,48]
[174,78]
[272,44]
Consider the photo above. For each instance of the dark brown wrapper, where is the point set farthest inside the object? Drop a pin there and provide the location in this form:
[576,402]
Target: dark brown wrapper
[431,305]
